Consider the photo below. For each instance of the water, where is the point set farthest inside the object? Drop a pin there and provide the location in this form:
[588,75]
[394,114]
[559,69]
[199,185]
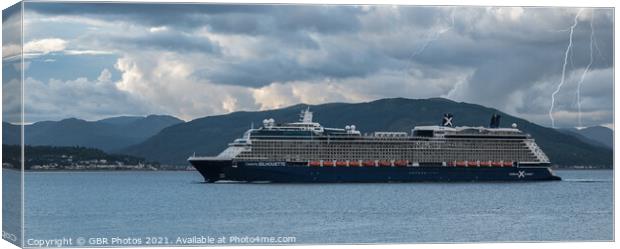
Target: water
[171,204]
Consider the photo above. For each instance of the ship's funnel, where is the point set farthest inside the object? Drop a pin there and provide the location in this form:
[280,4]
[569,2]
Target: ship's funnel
[447,120]
[495,121]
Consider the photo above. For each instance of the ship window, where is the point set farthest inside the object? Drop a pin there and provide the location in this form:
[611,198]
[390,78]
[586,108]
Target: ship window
[424,133]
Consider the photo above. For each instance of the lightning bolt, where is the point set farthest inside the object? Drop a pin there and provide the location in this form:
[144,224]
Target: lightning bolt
[431,37]
[585,71]
[568,49]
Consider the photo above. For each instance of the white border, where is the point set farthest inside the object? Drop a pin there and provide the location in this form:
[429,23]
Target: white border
[558,3]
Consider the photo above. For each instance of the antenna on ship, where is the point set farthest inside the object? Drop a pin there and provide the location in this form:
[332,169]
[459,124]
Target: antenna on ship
[306,115]
[495,121]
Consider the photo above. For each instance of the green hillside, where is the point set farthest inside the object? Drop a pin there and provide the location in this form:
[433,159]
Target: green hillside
[108,135]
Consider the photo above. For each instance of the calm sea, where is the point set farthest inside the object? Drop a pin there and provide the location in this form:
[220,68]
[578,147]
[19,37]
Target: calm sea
[177,205]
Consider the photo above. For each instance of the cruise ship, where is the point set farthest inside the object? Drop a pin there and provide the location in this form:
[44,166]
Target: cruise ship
[305,151]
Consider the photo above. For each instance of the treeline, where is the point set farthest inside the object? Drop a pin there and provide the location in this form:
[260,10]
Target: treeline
[55,157]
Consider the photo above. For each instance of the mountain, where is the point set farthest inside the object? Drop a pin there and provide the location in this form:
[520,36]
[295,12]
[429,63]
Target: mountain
[109,134]
[210,135]
[595,135]
[601,134]
[121,120]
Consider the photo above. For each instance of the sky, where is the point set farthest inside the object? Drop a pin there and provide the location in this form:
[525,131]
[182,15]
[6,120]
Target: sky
[96,60]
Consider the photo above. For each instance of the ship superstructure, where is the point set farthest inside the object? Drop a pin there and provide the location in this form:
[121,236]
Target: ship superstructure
[309,152]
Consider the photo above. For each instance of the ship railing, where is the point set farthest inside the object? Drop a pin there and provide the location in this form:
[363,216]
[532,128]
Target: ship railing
[542,157]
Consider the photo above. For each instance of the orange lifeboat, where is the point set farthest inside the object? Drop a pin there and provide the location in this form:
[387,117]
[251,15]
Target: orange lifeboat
[460,164]
[341,163]
[369,163]
[354,163]
[328,163]
[507,164]
[472,164]
[314,163]
[385,163]
[496,164]
[485,164]
[401,163]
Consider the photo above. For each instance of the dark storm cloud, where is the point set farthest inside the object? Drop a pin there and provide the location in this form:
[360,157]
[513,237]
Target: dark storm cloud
[518,63]
[178,15]
[424,16]
[512,55]
[287,18]
[170,41]
[340,63]
[498,53]
[230,18]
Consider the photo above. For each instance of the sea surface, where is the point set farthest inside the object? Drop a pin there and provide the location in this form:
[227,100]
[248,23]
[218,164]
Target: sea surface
[177,205]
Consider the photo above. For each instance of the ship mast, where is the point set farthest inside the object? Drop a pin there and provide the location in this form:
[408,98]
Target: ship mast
[305,116]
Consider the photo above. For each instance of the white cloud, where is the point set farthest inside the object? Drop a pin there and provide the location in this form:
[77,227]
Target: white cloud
[87,52]
[158,29]
[381,85]
[44,46]
[11,50]
[105,76]
[36,48]
[81,98]
[164,82]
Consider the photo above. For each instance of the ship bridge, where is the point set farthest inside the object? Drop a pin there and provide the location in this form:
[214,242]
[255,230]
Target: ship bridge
[304,128]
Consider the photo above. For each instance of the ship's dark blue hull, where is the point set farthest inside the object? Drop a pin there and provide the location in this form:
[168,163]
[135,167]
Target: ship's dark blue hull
[215,170]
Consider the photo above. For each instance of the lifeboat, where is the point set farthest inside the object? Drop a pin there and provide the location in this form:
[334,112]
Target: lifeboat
[460,164]
[341,163]
[507,164]
[369,163]
[385,163]
[314,163]
[328,163]
[472,164]
[496,164]
[451,164]
[401,163]
[485,164]
[354,163]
